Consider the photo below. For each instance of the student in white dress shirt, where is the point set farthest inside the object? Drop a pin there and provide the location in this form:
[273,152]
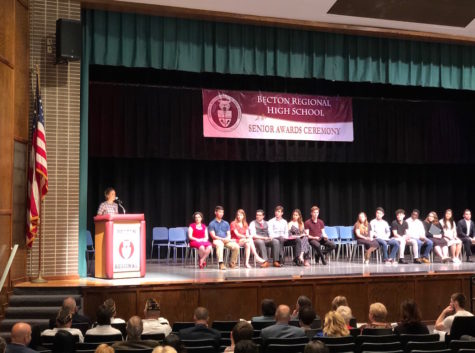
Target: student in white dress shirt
[153,323]
[103,323]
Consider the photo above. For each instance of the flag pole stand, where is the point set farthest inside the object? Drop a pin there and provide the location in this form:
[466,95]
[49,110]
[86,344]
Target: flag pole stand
[40,278]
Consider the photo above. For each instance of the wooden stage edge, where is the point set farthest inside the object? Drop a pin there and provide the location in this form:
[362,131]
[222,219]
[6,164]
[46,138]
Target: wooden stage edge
[235,298]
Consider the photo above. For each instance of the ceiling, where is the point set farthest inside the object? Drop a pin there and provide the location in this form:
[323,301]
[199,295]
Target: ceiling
[441,18]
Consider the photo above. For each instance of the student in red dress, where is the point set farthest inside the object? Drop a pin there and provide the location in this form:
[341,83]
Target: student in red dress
[198,236]
[239,232]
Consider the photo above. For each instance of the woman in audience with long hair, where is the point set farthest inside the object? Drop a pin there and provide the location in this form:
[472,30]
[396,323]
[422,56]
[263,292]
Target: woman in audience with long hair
[335,325]
[297,231]
[362,230]
[239,232]
[450,234]
[198,236]
[410,320]
[440,244]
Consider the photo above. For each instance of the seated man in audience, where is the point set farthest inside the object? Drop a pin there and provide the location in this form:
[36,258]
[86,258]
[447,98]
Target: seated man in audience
[134,340]
[110,305]
[241,331]
[417,232]
[381,232]
[302,302]
[315,229]
[306,317]
[399,232]
[220,233]
[201,330]
[103,324]
[259,230]
[278,230]
[20,339]
[282,329]
[466,233]
[70,304]
[268,311]
[377,317]
[153,323]
[64,320]
[444,322]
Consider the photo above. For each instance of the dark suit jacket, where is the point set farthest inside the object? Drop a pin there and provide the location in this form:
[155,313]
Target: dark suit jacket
[263,318]
[462,229]
[200,332]
[280,330]
[18,348]
[142,344]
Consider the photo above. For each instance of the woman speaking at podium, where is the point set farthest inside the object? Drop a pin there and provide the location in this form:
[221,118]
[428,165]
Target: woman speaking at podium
[108,206]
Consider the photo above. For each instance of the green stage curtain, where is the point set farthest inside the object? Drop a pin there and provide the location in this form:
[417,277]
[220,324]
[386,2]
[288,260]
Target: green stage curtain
[134,40]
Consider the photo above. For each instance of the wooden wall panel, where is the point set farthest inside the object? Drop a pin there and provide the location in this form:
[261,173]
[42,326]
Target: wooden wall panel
[283,293]
[7,34]
[6,140]
[22,87]
[125,302]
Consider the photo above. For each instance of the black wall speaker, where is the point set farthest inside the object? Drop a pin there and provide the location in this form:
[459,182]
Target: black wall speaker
[68,40]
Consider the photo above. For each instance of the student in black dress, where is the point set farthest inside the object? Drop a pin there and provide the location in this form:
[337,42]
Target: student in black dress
[410,320]
[440,244]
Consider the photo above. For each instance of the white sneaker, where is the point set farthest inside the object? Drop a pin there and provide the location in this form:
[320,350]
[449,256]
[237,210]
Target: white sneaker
[456,260]
[366,262]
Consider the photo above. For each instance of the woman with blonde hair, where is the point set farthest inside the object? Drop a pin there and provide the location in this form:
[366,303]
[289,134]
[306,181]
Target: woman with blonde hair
[440,244]
[335,325]
[364,237]
[239,232]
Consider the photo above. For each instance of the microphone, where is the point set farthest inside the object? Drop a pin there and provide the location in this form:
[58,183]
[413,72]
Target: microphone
[119,201]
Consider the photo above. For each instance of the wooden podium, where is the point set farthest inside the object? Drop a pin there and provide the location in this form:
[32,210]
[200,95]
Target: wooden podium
[120,246]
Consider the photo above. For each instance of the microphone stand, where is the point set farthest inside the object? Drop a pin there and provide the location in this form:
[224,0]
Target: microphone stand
[123,209]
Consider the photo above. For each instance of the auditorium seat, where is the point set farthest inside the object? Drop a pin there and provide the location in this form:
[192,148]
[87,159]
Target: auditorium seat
[82,326]
[224,325]
[376,339]
[285,341]
[336,340]
[425,346]
[456,345]
[102,338]
[462,325]
[377,331]
[142,350]
[404,338]
[153,336]
[259,325]
[439,351]
[342,348]
[345,240]
[122,327]
[177,239]
[201,349]
[177,326]
[380,347]
[159,240]
[285,348]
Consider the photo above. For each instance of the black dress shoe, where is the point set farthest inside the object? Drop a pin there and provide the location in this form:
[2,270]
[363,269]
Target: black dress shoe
[322,258]
[298,262]
[402,261]
[468,260]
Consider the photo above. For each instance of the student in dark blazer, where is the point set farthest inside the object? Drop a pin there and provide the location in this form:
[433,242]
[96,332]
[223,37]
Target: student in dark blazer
[282,329]
[200,331]
[466,233]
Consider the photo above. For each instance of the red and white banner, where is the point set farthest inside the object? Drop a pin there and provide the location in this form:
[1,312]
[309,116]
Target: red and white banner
[276,116]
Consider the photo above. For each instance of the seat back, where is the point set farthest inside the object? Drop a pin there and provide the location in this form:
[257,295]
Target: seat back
[376,339]
[381,347]
[404,338]
[342,348]
[438,351]
[425,346]
[122,327]
[456,345]
[223,325]
[336,340]
[202,349]
[64,342]
[346,233]
[462,325]
[285,348]
[160,234]
[259,325]
[82,326]
[137,350]
[332,233]
[176,235]
[287,341]
[177,326]
[199,343]
[377,331]
[102,338]
[153,336]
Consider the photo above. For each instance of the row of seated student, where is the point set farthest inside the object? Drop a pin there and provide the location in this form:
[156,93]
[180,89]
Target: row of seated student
[258,235]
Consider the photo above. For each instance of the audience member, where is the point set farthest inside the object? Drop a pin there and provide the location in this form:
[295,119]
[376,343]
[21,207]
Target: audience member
[466,233]
[381,232]
[199,238]
[345,312]
[316,347]
[104,348]
[417,232]
[302,302]
[64,342]
[410,320]
[362,230]
[447,316]
[64,320]
[335,325]
[278,229]
[315,229]
[268,311]
[70,303]
[377,317]
[306,317]
[103,323]
[220,233]
[20,338]
[164,349]
[134,340]
[299,238]
[239,232]
[153,323]
[434,232]
[399,233]
[241,331]
[338,301]
[246,346]
[3,345]
[282,329]
[174,341]
[110,305]
[201,329]
[450,235]
[259,230]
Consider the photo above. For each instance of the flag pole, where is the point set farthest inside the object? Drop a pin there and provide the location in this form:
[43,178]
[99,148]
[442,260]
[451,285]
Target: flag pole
[40,278]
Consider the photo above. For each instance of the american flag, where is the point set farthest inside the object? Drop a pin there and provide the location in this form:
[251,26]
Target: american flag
[38,170]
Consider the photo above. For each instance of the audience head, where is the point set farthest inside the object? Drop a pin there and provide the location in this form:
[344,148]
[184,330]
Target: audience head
[457,300]
[282,314]
[242,331]
[377,312]
[410,312]
[64,318]
[173,340]
[379,213]
[110,305]
[306,316]
[152,309]
[3,345]
[338,301]
[164,349]
[104,348]
[268,307]
[335,325]
[303,302]
[316,347]
[219,212]
[70,303]
[103,315]
[64,342]
[201,315]
[21,333]
[134,328]
[246,346]
[345,312]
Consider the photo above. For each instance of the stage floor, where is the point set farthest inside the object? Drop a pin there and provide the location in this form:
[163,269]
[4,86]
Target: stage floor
[162,273]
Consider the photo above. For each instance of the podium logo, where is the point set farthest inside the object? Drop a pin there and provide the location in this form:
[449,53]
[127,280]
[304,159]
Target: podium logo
[126,249]
[224,112]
